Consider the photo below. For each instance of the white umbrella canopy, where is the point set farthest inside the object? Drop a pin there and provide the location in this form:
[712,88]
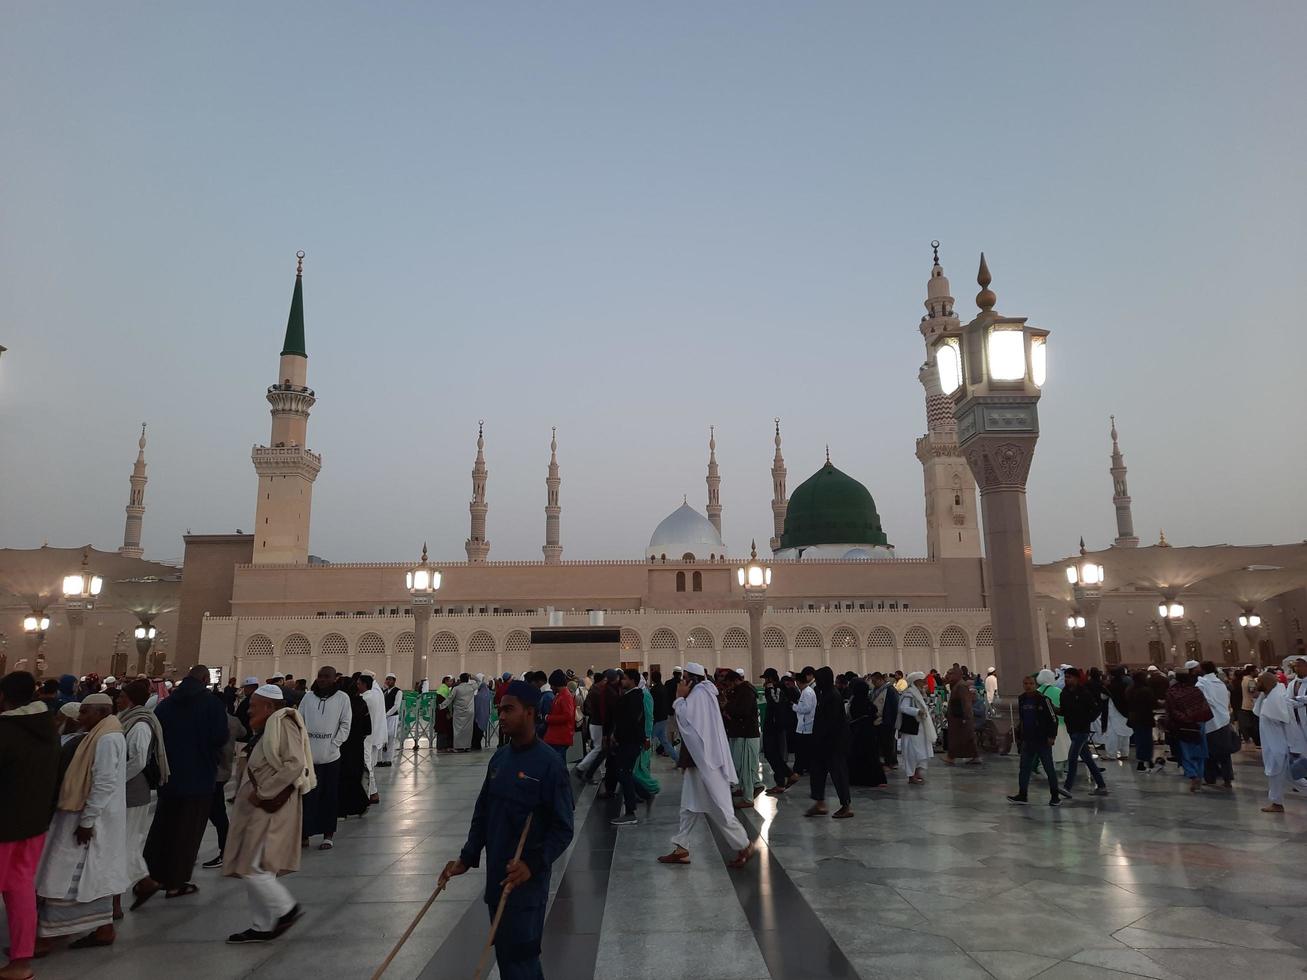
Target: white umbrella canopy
[36,575]
[1252,585]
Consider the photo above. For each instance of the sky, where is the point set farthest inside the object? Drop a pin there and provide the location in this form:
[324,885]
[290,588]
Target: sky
[633,221]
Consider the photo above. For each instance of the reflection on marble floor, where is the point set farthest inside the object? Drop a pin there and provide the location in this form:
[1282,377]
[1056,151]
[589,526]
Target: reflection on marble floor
[945,880]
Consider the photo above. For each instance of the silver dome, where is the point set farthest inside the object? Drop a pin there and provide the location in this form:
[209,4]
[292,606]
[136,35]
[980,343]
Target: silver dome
[685,532]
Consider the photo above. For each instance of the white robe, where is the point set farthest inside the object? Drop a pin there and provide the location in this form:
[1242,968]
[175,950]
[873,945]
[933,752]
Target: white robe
[105,872]
[376,702]
[1118,733]
[917,749]
[1297,722]
[462,711]
[1275,727]
[707,787]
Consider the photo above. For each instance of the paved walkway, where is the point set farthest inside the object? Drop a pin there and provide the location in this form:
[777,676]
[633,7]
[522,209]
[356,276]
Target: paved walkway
[946,880]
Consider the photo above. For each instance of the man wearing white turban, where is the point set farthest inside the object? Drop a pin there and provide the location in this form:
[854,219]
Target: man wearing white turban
[705,758]
[916,728]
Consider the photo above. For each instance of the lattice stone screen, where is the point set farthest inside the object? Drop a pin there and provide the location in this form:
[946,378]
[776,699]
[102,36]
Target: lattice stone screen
[372,645]
[735,639]
[481,642]
[663,639]
[517,642]
[844,637]
[916,636]
[335,648]
[258,645]
[296,645]
[406,645]
[985,636]
[444,643]
[807,639]
[880,637]
[699,639]
[773,638]
[952,637]
[631,640]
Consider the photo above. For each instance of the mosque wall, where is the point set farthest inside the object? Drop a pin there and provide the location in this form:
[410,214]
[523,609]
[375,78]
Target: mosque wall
[860,640]
[107,630]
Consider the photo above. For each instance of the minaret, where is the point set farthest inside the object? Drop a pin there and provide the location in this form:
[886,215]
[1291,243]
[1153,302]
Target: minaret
[552,549]
[779,501]
[952,517]
[714,481]
[285,467]
[1125,522]
[135,505]
[478,548]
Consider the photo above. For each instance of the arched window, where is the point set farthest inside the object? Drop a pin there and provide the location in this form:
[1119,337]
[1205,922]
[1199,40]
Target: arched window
[663,639]
[481,642]
[880,636]
[735,639]
[699,639]
[844,637]
[371,645]
[688,556]
[807,639]
[406,645]
[334,651]
[773,638]
[518,641]
[444,642]
[258,645]
[916,636]
[680,581]
[952,637]
[985,636]
[296,645]
[697,581]
[631,640]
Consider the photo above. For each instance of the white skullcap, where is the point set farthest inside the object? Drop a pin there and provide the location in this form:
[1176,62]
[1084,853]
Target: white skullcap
[168,685]
[740,671]
[271,691]
[479,677]
[695,669]
[1295,656]
[391,677]
[677,667]
[1190,664]
[111,679]
[1045,676]
[1064,667]
[251,682]
[370,673]
[101,700]
[1153,667]
[916,675]
[70,709]
[991,670]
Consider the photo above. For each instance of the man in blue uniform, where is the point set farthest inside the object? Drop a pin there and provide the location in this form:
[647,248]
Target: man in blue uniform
[525,777]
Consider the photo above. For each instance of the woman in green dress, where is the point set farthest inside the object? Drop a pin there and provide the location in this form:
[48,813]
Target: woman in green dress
[643,776]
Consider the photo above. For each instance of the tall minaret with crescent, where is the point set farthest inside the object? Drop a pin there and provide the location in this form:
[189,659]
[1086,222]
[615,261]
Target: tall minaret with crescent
[135,505]
[1125,521]
[553,511]
[477,545]
[779,501]
[714,481]
[952,516]
[286,469]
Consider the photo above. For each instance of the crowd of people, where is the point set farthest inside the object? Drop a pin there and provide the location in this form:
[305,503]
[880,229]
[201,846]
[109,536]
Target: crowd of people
[109,786]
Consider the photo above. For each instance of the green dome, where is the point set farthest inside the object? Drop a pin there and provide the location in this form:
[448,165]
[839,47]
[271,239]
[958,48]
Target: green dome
[830,507]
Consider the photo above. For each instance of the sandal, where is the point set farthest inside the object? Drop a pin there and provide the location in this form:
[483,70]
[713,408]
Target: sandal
[678,856]
[816,810]
[90,941]
[326,845]
[741,857]
[190,888]
[141,896]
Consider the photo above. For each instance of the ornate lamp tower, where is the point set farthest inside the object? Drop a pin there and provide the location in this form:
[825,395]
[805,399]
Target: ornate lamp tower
[1086,580]
[422,583]
[994,373]
[754,578]
[80,591]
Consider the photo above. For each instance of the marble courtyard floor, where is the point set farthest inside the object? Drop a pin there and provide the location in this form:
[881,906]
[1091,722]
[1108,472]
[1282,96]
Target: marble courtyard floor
[946,880]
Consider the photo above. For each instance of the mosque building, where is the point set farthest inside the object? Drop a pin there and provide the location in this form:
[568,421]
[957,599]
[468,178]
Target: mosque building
[259,603]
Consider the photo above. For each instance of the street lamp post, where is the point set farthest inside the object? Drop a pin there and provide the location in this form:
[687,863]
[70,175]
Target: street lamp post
[422,582]
[754,578]
[995,372]
[1086,580]
[80,591]
[1252,630]
[34,627]
[1171,612]
[145,634]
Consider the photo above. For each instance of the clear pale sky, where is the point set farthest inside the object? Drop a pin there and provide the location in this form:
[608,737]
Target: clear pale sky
[631,221]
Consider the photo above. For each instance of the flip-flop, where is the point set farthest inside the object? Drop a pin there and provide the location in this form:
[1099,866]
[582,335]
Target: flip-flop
[190,888]
[742,858]
[326,845]
[676,857]
[139,898]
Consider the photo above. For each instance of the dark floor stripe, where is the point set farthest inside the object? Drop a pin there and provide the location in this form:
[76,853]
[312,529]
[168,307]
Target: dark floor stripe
[794,943]
[572,929]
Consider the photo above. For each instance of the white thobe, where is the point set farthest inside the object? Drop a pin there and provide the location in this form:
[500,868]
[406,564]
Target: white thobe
[1297,688]
[376,741]
[139,740]
[1118,733]
[1275,730]
[706,788]
[269,899]
[917,749]
[105,870]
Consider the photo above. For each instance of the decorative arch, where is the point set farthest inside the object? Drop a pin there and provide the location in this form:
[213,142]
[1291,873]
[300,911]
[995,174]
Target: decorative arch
[444,642]
[406,644]
[698,639]
[843,637]
[481,642]
[735,639]
[985,636]
[916,636]
[773,638]
[296,645]
[630,640]
[518,641]
[880,636]
[371,645]
[952,636]
[663,639]
[258,645]
[807,639]
[334,647]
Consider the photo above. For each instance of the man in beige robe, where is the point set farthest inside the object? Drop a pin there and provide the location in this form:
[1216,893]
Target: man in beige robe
[264,840]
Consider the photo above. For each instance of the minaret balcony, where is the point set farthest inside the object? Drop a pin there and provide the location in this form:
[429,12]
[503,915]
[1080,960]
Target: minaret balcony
[291,398]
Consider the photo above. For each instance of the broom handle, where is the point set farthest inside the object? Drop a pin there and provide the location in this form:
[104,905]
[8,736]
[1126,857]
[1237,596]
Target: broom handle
[409,931]
[503,898]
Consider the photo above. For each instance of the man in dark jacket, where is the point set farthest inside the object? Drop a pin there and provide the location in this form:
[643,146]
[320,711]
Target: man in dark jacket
[740,716]
[662,702]
[1036,732]
[194,732]
[885,699]
[1080,707]
[29,779]
[828,747]
[627,740]
[776,726]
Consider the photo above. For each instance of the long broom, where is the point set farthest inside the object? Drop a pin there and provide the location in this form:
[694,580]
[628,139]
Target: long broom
[503,899]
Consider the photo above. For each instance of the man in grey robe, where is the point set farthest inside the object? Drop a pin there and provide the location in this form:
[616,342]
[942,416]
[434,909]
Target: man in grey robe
[462,711]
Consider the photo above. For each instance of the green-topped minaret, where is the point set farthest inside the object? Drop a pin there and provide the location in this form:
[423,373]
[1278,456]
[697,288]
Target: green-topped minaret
[295,323]
[285,466]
